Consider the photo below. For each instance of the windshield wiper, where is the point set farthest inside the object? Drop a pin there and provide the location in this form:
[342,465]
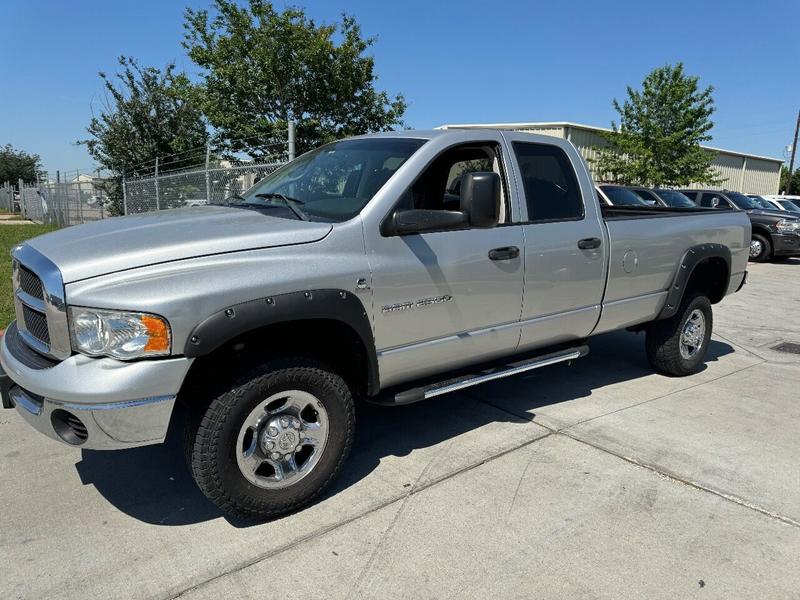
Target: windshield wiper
[290,202]
[234,197]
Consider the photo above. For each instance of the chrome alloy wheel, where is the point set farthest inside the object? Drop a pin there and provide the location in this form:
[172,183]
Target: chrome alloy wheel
[282,439]
[693,334]
[756,248]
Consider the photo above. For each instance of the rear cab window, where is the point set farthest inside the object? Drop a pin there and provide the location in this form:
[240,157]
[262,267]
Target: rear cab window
[552,192]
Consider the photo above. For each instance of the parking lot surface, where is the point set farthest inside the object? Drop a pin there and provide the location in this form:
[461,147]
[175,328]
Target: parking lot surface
[598,479]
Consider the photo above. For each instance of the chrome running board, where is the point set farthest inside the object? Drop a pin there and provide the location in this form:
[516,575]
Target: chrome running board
[438,388]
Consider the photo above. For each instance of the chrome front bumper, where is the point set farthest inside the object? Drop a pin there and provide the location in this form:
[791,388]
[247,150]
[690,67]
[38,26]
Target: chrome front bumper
[93,403]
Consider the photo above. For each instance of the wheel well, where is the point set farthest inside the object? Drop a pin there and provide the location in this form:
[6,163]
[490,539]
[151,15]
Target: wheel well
[333,343]
[761,231]
[709,277]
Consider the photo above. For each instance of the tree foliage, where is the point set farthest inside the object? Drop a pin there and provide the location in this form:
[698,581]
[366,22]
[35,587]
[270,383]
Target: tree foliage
[262,67]
[788,185]
[149,112]
[661,126]
[18,164]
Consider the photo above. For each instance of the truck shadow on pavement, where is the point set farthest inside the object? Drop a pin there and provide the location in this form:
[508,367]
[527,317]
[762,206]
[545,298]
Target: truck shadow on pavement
[153,484]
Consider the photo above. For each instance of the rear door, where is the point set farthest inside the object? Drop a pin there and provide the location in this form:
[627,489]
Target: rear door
[565,242]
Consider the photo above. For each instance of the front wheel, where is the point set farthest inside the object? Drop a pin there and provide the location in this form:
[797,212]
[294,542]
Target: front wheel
[677,346]
[274,440]
[760,248]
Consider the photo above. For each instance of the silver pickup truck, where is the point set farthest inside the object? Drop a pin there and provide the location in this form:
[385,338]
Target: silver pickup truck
[392,268]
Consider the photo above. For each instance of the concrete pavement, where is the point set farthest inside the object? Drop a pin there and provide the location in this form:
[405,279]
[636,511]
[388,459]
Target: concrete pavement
[598,480]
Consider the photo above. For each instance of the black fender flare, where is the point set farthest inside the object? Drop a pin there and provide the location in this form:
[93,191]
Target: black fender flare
[330,304]
[691,258]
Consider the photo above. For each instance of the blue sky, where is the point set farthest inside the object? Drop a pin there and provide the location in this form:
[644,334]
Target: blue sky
[455,62]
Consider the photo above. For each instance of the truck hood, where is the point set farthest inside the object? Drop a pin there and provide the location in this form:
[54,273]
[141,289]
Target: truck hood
[783,214]
[134,241]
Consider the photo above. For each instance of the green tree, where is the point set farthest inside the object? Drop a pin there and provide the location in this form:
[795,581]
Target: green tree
[262,67]
[148,113]
[18,164]
[788,185]
[661,126]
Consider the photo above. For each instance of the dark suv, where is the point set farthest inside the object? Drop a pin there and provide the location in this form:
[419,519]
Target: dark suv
[776,234]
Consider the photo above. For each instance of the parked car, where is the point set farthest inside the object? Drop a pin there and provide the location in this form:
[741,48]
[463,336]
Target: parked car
[775,234]
[663,197]
[345,275]
[618,195]
[788,203]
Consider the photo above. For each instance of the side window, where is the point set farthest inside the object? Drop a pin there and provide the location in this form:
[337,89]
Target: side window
[439,187]
[647,196]
[690,195]
[708,201]
[551,188]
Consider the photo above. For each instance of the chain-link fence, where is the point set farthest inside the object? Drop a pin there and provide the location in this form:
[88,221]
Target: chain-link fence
[192,187]
[63,203]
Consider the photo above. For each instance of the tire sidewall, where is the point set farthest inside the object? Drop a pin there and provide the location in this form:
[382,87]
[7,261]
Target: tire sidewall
[766,248]
[702,303]
[254,388]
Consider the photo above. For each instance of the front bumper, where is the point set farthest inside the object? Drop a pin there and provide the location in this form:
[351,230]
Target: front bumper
[93,403]
[785,244]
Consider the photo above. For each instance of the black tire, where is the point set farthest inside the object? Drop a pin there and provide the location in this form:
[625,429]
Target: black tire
[766,248]
[211,440]
[663,339]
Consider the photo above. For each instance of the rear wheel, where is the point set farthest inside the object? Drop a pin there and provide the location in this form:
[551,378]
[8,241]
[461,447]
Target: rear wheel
[274,440]
[678,345]
[760,248]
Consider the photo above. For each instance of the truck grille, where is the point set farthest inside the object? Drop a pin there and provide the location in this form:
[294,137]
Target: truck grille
[39,303]
[36,324]
[30,283]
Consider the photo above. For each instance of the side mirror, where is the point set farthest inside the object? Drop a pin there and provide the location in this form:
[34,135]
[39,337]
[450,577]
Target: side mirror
[420,221]
[480,198]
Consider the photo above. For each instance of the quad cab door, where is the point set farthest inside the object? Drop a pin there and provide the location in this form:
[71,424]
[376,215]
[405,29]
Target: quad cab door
[565,242]
[449,298]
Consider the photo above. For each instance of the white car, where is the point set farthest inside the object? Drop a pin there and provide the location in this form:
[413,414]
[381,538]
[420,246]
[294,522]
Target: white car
[788,203]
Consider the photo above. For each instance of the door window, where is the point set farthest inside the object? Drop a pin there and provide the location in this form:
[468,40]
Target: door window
[708,201]
[439,186]
[551,187]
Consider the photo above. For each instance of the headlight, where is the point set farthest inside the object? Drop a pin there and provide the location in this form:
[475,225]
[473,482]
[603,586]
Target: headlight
[119,334]
[785,226]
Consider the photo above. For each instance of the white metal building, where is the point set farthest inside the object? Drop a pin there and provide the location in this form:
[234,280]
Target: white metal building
[748,173]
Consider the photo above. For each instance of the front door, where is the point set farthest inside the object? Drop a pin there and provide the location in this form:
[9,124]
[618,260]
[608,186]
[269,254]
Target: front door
[439,300]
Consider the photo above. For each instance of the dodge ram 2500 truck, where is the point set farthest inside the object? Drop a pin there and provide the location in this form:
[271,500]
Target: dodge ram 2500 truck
[392,267]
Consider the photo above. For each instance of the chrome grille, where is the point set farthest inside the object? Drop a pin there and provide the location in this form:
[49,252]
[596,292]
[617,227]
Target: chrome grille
[30,283]
[39,303]
[36,324]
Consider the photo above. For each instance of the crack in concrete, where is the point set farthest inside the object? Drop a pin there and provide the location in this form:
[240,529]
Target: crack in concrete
[335,526]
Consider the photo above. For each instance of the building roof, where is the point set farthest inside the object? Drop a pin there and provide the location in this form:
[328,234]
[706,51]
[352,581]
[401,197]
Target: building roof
[558,124]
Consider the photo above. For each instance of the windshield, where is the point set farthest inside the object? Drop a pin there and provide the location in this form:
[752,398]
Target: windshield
[744,202]
[789,205]
[620,196]
[675,199]
[333,182]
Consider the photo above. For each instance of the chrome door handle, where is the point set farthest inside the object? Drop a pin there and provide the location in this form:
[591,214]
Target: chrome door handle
[504,253]
[589,243]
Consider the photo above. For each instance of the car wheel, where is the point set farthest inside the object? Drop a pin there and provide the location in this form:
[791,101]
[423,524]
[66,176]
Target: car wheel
[760,248]
[678,345]
[274,440]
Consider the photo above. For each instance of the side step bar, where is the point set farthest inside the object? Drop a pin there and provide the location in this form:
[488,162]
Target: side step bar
[438,388]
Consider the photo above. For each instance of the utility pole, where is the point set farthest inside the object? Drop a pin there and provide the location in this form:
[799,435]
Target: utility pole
[794,150]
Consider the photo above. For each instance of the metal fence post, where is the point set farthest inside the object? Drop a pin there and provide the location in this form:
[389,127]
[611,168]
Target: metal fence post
[124,194]
[22,199]
[291,141]
[80,204]
[208,175]
[158,199]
